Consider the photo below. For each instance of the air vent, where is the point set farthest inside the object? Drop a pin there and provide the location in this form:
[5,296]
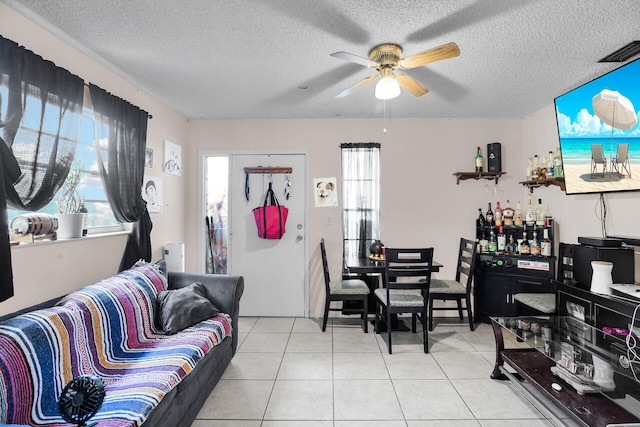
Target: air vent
[624,53]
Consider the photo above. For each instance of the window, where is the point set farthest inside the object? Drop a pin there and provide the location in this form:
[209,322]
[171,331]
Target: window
[360,197]
[100,217]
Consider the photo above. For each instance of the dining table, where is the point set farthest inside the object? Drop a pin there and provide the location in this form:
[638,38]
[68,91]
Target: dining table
[371,271]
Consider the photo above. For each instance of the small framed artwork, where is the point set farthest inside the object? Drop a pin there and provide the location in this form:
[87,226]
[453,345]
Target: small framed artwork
[172,158]
[152,193]
[148,158]
[325,192]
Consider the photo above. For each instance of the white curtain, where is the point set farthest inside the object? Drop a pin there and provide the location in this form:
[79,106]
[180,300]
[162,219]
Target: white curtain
[360,197]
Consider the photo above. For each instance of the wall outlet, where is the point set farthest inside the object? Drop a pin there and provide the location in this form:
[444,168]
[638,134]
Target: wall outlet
[328,221]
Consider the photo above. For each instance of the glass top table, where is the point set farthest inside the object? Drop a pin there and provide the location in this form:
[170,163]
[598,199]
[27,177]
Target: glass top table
[588,361]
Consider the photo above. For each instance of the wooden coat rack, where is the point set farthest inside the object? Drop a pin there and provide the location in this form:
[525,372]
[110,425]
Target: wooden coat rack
[268,169]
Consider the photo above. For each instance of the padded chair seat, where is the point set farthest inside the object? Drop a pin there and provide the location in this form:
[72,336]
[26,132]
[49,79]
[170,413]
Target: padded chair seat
[447,287]
[544,303]
[349,286]
[400,297]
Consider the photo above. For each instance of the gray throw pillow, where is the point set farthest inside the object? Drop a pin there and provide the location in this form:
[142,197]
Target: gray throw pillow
[184,307]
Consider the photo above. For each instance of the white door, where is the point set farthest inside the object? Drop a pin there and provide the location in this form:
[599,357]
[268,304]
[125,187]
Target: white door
[274,270]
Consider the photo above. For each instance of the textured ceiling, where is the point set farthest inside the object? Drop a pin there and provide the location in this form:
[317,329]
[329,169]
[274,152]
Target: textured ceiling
[218,59]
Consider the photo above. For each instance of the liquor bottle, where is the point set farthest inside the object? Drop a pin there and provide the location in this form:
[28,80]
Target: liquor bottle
[511,246]
[489,216]
[484,244]
[479,161]
[534,245]
[547,217]
[524,245]
[557,165]
[497,216]
[493,244]
[507,215]
[539,214]
[530,214]
[517,215]
[502,240]
[480,222]
[550,166]
[527,171]
[545,244]
[85,217]
[534,168]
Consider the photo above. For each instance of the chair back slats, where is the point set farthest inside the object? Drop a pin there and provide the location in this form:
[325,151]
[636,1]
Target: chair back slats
[412,266]
[325,265]
[466,262]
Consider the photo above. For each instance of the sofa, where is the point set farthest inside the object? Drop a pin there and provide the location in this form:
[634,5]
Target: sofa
[159,343]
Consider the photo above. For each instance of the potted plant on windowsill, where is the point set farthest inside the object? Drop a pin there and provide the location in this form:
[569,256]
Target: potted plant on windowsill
[70,219]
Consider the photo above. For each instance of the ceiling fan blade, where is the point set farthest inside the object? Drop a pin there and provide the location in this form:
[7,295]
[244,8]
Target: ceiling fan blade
[410,85]
[355,58]
[362,82]
[445,51]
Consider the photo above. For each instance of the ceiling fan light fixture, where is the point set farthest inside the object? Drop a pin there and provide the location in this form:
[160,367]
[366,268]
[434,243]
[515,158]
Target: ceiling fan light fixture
[387,88]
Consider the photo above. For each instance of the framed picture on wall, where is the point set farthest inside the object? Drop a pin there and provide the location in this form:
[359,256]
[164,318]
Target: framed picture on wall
[152,193]
[325,192]
[148,158]
[172,158]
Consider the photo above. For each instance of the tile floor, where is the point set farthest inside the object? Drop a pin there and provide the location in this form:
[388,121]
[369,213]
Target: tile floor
[288,373]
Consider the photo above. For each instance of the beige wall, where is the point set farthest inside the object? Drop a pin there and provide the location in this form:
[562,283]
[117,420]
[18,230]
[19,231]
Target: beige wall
[421,203]
[45,271]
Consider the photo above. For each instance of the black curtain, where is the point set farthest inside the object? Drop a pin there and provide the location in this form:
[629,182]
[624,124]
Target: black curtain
[40,111]
[121,130]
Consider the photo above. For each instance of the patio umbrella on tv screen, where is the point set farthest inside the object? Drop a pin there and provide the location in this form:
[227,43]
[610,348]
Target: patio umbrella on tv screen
[615,110]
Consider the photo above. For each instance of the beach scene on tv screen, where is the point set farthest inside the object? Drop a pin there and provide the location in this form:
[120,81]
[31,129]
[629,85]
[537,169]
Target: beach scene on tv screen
[599,133]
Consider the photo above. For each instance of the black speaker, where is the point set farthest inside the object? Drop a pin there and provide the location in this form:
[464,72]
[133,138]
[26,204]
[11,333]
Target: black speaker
[494,155]
[622,259]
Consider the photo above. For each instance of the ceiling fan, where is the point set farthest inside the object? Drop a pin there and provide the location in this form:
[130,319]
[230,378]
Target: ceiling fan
[385,58]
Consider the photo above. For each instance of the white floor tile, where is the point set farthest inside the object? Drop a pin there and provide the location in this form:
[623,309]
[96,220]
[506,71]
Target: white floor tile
[297,423]
[463,365]
[306,366]
[310,325]
[366,400]
[430,399]
[264,342]
[310,343]
[483,405]
[359,366]
[253,366]
[274,324]
[301,400]
[237,400]
[288,373]
[414,365]
[355,343]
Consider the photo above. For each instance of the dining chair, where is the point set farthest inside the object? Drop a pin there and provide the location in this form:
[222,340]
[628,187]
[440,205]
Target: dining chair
[622,159]
[527,303]
[407,279]
[597,158]
[342,290]
[459,288]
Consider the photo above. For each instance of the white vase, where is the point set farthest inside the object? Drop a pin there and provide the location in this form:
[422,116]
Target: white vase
[70,225]
[601,279]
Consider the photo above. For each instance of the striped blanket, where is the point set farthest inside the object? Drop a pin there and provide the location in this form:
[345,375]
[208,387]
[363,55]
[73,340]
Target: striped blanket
[106,329]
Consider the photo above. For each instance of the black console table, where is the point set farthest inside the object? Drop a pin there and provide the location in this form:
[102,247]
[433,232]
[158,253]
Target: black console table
[568,366]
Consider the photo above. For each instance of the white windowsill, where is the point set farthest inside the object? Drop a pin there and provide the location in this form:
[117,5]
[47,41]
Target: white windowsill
[84,238]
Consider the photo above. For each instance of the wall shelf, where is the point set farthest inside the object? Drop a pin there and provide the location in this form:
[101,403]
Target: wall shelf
[543,182]
[477,175]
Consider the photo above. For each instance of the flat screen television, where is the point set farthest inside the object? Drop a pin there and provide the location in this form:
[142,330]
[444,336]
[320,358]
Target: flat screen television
[597,124]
